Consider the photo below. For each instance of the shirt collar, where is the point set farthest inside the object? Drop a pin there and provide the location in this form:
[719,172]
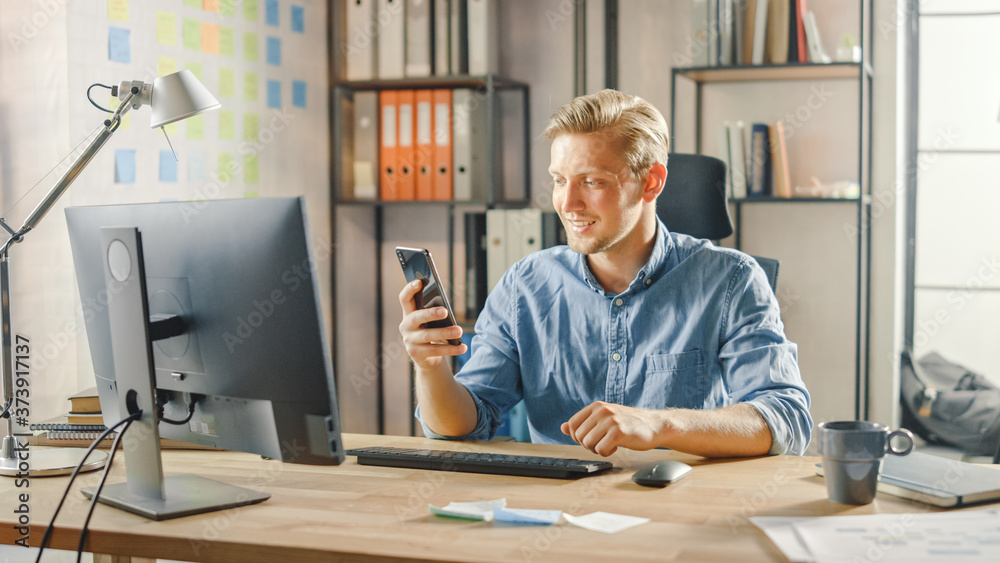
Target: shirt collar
[653,268]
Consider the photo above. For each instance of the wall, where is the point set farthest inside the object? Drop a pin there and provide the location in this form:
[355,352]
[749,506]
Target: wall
[53,50]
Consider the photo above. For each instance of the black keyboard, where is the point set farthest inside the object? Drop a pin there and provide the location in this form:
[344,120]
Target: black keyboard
[473,462]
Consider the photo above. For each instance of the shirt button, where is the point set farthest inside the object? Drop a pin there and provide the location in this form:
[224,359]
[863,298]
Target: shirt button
[619,302]
[617,357]
[649,282]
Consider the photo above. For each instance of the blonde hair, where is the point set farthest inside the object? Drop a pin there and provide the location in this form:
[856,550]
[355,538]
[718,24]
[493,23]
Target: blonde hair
[633,121]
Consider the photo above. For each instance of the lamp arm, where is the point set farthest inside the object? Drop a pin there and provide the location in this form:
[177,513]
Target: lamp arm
[6,344]
[81,162]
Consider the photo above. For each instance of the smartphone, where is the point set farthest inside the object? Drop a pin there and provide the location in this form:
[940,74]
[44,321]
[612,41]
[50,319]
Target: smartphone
[418,264]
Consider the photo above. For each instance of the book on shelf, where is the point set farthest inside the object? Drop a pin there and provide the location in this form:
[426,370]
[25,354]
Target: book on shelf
[776,44]
[779,159]
[85,401]
[760,161]
[738,159]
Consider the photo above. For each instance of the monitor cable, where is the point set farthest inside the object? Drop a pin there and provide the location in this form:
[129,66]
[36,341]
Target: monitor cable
[159,413]
[100,486]
[72,477]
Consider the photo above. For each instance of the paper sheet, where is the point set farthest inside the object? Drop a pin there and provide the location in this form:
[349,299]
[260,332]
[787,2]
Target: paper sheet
[605,522]
[479,510]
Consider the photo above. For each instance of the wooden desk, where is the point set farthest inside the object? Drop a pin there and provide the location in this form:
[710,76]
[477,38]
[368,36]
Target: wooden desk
[361,513]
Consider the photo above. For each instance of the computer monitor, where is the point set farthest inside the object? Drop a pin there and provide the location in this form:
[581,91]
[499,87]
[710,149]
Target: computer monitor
[251,351]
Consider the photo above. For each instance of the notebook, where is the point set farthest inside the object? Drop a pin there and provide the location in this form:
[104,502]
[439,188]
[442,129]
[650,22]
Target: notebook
[937,480]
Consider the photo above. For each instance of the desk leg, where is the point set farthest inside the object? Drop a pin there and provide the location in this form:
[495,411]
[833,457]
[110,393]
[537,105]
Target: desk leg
[100,558]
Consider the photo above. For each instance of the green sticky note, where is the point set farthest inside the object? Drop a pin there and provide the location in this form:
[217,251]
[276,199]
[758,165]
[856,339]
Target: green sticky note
[195,69]
[251,127]
[227,167]
[227,42]
[250,9]
[227,125]
[195,127]
[192,34]
[251,171]
[250,86]
[227,83]
[166,28]
[165,66]
[193,3]
[250,47]
[228,7]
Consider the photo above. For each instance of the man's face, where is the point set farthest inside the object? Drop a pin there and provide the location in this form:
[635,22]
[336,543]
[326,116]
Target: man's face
[593,192]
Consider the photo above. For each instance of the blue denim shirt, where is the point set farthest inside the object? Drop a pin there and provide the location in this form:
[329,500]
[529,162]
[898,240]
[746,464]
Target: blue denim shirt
[697,328]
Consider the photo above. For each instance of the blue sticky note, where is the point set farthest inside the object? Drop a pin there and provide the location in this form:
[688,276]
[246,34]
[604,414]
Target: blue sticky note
[274,94]
[526,516]
[271,12]
[196,166]
[168,166]
[298,19]
[118,45]
[125,166]
[298,93]
[274,51]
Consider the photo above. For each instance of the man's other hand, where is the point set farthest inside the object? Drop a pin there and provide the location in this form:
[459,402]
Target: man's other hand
[604,427]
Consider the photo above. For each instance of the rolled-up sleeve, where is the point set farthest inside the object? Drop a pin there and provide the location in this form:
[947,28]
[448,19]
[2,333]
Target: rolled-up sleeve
[492,376]
[759,364]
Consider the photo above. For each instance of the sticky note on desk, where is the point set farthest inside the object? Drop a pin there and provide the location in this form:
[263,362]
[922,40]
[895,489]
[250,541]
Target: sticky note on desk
[125,166]
[479,510]
[119,49]
[606,522]
[526,516]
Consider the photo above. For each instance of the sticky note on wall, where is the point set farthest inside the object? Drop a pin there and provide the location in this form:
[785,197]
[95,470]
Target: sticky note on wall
[196,165]
[168,166]
[165,66]
[251,170]
[118,10]
[210,5]
[210,38]
[274,94]
[298,93]
[227,41]
[195,127]
[250,47]
[227,83]
[251,127]
[227,125]
[191,31]
[119,49]
[274,51]
[298,19]
[271,12]
[124,166]
[166,28]
[250,86]
[250,10]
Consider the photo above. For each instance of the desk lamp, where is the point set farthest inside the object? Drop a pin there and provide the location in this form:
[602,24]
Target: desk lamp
[171,98]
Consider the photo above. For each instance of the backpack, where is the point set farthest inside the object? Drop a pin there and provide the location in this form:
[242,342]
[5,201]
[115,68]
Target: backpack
[945,403]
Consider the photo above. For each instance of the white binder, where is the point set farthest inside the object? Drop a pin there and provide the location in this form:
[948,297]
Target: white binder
[365,145]
[418,38]
[391,19]
[360,41]
[470,145]
[483,55]
[496,246]
[442,37]
[523,233]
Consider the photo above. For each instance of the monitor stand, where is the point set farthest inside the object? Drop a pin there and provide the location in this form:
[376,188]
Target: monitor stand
[146,491]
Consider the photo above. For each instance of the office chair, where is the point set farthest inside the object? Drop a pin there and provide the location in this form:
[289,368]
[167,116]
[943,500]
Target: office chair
[694,202]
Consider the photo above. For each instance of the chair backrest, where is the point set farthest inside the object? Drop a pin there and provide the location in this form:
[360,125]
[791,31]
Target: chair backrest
[694,202]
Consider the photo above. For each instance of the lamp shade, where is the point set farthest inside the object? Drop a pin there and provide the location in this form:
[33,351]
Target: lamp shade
[179,96]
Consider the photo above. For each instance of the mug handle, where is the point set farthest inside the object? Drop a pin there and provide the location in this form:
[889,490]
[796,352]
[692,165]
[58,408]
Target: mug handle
[901,433]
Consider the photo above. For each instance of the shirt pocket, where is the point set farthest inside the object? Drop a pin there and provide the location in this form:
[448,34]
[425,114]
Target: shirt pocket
[676,380]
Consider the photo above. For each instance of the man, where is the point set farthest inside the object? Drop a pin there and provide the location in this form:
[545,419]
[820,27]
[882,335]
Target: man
[632,336]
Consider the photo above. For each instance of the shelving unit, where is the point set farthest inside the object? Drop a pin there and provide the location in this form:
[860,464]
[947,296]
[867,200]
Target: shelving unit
[491,88]
[861,72]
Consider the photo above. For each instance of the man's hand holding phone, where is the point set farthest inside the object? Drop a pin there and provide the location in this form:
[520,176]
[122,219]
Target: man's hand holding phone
[426,346]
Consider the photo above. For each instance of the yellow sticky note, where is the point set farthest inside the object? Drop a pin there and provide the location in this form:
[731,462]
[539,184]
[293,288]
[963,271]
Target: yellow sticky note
[227,125]
[250,86]
[165,66]
[227,168]
[195,69]
[210,5]
[166,28]
[228,7]
[227,83]
[126,119]
[250,9]
[227,41]
[192,3]
[195,127]
[191,30]
[118,10]
[251,127]
[171,129]
[210,38]
[250,47]
[251,171]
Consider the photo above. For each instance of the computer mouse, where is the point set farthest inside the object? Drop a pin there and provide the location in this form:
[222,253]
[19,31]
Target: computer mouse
[661,473]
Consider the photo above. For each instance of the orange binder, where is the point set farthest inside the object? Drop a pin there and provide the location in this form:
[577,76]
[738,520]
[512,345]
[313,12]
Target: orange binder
[388,149]
[425,146]
[442,189]
[406,155]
